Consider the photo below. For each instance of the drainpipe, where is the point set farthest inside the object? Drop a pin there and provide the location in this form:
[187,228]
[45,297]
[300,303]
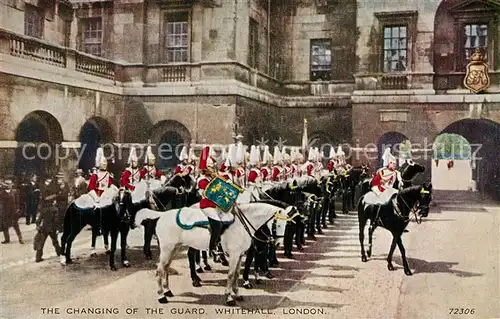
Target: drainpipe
[235,18]
[268,35]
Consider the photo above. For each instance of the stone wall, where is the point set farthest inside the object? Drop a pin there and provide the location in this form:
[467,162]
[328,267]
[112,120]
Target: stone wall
[258,120]
[336,22]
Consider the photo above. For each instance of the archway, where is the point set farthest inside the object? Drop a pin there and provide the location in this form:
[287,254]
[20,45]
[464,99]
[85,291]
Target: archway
[484,138]
[94,132]
[392,140]
[169,137]
[38,134]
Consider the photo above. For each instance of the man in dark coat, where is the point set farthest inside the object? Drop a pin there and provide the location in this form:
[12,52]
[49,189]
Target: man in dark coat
[48,222]
[9,211]
[32,199]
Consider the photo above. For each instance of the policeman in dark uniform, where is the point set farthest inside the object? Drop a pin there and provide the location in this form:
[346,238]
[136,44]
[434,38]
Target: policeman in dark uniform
[48,221]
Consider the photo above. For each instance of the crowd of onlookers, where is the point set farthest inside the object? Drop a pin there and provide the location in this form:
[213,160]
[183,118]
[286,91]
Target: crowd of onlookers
[41,203]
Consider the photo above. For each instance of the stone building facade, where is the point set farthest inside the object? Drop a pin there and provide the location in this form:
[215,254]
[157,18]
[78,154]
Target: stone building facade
[80,72]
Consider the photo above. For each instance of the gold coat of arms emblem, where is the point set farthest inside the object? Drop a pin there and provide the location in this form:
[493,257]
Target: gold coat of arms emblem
[477,78]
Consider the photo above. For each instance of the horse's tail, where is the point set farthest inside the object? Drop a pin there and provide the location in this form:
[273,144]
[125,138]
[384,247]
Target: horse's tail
[145,214]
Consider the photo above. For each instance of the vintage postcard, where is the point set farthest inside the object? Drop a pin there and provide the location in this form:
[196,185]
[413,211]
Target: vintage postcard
[249,159]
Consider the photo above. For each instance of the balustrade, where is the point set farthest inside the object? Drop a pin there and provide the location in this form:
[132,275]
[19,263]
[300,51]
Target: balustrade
[94,66]
[36,50]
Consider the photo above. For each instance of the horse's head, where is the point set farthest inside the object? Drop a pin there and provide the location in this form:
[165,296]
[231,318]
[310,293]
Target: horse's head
[410,169]
[425,199]
[124,207]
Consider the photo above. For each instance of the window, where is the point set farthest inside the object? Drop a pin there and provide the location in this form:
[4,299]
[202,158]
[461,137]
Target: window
[321,60]
[177,37]
[475,37]
[253,44]
[33,21]
[92,36]
[395,49]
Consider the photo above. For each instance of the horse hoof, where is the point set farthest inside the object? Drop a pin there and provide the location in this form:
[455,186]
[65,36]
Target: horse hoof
[369,254]
[207,268]
[364,259]
[231,303]
[169,294]
[408,272]
[113,268]
[390,267]
[196,283]
[199,270]
[126,264]
[238,298]
[163,300]
[247,285]
[225,263]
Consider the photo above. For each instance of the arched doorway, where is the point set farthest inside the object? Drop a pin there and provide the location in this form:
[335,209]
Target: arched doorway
[38,134]
[169,137]
[484,138]
[95,132]
[392,140]
[172,144]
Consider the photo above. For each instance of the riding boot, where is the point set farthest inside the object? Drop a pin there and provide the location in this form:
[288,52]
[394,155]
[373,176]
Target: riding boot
[215,230]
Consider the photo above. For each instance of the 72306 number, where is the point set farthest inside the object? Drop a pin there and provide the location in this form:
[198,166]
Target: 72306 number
[462,311]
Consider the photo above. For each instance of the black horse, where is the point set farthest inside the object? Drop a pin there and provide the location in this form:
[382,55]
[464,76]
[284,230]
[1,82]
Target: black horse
[330,187]
[295,197]
[394,216]
[108,218]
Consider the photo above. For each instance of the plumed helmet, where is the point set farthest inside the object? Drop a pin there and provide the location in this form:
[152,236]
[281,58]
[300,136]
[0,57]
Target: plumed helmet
[132,157]
[184,154]
[100,159]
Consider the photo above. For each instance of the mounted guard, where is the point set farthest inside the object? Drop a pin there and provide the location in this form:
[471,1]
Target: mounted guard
[266,167]
[333,162]
[277,175]
[309,165]
[132,174]
[183,168]
[101,188]
[227,168]
[287,168]
[240,170]
[215,215]
[254,175]
[383,182]
[149,171]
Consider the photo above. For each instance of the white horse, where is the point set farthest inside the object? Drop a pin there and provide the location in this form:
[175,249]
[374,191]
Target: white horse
[142,187]
[235,240]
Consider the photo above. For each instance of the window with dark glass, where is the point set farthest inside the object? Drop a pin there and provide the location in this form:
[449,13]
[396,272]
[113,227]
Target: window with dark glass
[475,37]
[177,37]
[92,35]
[253,44]
[395,49]
[321,60]
[33,21]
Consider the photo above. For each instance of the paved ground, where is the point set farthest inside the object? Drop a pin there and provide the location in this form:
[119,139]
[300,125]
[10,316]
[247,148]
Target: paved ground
[454,255]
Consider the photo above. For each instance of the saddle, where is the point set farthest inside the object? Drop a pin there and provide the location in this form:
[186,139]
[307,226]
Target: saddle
[189,218]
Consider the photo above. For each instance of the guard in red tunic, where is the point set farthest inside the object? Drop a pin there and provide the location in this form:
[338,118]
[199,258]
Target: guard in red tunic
[149,171]
[383,182]
[132,174]
[226,168]
[183,168]
[209,208]
[267,161]
[101,179]
[309,165]
[254,175]
[332,163]
[287,167]
[239,174]
[277,173]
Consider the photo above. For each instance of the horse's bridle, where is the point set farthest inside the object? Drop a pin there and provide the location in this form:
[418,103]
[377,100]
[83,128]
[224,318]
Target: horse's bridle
[247,224]
[415,210]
